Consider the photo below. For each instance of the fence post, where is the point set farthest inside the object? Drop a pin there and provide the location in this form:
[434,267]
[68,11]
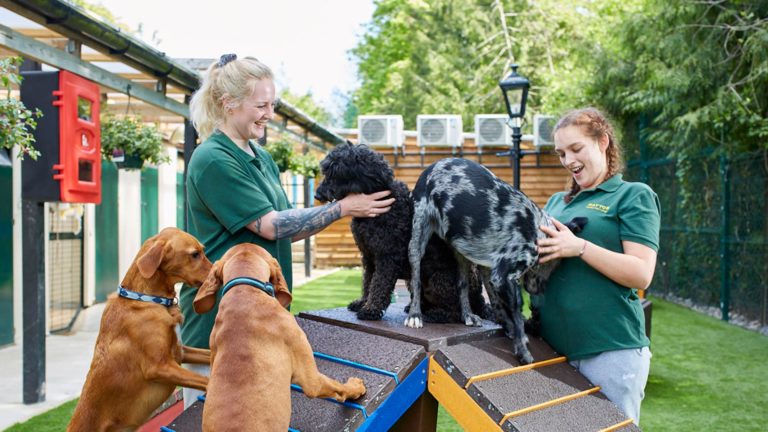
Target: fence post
[725,256]
[644,175]
[308,202]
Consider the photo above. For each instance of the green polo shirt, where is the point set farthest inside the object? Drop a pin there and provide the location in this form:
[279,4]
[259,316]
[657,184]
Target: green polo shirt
[583,313]
[226,190]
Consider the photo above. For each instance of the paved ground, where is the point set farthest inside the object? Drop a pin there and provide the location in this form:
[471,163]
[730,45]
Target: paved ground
[67,360]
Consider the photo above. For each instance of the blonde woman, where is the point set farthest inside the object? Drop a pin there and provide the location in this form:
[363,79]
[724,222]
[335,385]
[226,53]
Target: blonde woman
[234,193]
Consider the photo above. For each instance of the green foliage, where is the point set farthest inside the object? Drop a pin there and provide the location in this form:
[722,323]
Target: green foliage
[447,56]
[698,71]
[133,137]
[307,104]
[16,121]
[695,74]
[306,165]
[282,152]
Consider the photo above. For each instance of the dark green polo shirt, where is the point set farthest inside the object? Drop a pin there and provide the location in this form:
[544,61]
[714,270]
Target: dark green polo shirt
[583,313]
[226,190]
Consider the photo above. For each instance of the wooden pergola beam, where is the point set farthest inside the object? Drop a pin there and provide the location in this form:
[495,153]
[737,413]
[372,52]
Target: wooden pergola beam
[39,51]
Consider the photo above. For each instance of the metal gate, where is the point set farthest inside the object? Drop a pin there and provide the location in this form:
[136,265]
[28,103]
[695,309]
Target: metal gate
[65,264]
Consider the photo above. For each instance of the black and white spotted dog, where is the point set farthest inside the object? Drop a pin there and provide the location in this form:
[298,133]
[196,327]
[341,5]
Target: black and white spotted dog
[383,240]
[490,224]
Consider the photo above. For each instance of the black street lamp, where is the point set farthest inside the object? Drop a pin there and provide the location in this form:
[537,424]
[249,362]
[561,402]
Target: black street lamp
[515,89]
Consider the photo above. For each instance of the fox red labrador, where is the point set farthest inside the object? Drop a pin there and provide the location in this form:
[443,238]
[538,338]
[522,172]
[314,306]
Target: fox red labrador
[136,361]
[257,348]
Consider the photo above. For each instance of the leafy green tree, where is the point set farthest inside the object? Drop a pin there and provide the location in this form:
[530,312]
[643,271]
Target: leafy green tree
[307,104]
[447,56]
[695,72]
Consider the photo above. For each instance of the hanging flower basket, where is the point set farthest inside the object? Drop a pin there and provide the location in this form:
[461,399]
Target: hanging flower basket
[129,143]
[127,161]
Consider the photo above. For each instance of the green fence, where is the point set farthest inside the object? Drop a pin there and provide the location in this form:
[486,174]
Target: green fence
[714,234]
[6,249]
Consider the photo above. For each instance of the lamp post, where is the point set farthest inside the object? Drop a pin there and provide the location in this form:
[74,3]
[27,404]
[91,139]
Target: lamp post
[515,89]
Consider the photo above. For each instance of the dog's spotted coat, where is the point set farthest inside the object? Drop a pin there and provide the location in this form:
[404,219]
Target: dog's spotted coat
[488,223]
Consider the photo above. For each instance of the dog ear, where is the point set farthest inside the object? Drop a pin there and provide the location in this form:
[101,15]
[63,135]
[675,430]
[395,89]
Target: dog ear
[206,295]
[577,224]
[278,281]
[149,261]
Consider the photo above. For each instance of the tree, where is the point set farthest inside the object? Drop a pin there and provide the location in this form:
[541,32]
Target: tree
[447,56]
[695,71]
[307,104]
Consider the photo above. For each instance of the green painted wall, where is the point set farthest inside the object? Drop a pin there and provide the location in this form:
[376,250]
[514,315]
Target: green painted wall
[149,208]
[106,237]
[6,254]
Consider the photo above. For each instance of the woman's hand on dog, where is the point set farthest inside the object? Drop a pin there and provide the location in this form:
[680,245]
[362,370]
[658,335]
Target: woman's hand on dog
[366,205]
[559,243]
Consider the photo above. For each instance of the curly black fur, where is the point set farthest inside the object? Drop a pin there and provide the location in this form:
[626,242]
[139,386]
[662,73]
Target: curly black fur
[383,240]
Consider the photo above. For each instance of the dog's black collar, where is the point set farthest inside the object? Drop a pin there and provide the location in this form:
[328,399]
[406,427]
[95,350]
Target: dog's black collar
[264,286]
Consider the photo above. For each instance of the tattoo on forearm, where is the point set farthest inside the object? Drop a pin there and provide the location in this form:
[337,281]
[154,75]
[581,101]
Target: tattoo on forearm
[289,223]
[258,225]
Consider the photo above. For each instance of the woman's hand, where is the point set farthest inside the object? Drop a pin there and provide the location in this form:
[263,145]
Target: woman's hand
[560,243]
[366,205]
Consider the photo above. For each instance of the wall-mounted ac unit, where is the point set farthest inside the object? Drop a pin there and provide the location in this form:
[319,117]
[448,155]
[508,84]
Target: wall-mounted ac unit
[444,130]
[543,126]
[492,130]
[380,130]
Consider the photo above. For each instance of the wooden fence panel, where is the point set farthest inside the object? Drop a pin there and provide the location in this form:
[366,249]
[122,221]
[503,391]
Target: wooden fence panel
[540,176]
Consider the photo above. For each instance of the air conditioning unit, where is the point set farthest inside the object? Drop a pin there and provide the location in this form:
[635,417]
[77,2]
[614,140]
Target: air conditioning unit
[380,130]
[492,130]
[443,130]
[543,126]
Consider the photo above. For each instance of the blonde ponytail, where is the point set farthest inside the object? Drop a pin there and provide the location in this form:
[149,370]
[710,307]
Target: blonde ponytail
[229,79]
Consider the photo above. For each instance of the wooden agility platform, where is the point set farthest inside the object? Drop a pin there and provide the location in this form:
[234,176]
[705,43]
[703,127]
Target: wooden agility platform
[395,375]
[471,371]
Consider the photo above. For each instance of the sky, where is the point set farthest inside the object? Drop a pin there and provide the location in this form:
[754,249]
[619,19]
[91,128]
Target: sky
[305,42]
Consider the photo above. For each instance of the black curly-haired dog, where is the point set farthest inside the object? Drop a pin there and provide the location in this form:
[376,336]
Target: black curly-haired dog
[383,240]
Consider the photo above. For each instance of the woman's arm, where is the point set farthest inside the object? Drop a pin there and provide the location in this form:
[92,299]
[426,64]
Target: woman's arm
[298,224]
[634,268]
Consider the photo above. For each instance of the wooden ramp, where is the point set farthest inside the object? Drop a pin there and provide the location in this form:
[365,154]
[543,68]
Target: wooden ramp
[484,388]
[395,375]
[469,370]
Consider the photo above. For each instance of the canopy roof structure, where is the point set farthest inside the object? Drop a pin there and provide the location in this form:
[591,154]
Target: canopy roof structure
[135,76]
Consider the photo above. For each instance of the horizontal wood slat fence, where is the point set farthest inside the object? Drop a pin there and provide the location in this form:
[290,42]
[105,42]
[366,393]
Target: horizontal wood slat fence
[541,175]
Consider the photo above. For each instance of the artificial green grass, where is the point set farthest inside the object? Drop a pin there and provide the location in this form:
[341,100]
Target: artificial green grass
[55,420]
[706,375]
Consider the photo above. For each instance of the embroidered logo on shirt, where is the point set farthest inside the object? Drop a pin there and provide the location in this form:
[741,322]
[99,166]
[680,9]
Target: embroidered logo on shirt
[598,207]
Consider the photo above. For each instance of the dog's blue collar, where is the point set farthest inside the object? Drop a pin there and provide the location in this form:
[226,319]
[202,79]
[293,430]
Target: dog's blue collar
[264,286]
[133,295]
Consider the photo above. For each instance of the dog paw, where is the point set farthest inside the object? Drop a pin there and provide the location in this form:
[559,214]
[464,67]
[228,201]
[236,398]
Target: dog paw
[414,321]
[355,305]
[355,388]
[525,358]
[473,320]
[370,314]
[522,353]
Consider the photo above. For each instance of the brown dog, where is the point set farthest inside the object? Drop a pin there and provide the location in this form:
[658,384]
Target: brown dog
[257,349]
[135,365]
